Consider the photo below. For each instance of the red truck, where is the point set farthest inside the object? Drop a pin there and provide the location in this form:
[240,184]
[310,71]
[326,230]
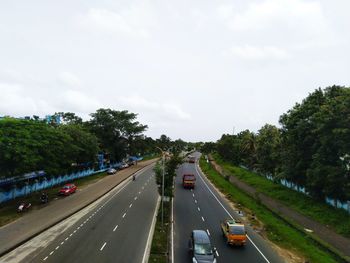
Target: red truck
[188,180]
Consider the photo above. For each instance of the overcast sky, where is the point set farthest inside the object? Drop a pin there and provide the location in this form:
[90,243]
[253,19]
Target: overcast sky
[190,69]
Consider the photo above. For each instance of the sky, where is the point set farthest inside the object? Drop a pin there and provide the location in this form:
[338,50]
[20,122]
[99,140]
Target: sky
[190,69]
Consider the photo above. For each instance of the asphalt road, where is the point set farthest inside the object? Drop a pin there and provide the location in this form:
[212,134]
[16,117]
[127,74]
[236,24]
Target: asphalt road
[116,231]
[203,208]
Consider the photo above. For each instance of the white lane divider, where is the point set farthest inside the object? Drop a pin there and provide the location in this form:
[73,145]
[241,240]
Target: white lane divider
[115,228]
[198,209]
[103,246]
[229,213]
[208,232]
[203,219]
[124,215]
[217,253]
[46,258]
[130,205]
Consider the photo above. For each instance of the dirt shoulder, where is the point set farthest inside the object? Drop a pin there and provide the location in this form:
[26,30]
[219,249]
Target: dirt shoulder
[319,231]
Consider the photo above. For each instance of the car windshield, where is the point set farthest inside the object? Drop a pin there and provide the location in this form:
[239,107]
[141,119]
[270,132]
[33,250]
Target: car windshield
[67,186]
[203,249]
[237,230]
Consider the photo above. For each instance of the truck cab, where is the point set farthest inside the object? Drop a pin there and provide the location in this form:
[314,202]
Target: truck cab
[234,232]
[188,181]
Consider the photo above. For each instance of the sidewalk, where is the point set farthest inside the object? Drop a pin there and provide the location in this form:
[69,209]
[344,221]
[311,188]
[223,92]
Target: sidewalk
[340,243]
[37,221]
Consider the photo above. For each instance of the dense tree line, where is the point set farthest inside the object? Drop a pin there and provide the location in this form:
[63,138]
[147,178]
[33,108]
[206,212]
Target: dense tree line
[65,143]
[311,148]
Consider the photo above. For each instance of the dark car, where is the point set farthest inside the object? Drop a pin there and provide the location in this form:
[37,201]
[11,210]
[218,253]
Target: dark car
[200,247]
[111,171]
[68,189]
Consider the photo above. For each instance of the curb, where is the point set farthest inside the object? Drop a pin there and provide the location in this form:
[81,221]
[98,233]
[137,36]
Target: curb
[3,253]
[150,234]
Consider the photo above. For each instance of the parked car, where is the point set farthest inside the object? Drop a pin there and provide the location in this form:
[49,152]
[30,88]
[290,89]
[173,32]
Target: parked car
[111,171]
[68,189]
[200,247]
[124,165]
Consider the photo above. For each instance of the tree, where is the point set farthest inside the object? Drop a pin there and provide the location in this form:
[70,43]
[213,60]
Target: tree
[268,148]
[117,131]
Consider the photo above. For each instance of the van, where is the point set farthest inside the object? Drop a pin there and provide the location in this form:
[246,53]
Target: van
[200,248]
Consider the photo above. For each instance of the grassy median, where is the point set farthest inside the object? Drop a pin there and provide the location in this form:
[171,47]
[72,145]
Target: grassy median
[276,229]
[160,248]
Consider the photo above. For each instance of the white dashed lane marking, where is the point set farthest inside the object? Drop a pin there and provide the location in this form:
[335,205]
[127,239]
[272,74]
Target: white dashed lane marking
[115,228]
[103,246]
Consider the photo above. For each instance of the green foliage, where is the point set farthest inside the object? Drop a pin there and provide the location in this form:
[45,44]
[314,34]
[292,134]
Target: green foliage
[337,219]
[170,166]
[311,150]
[29,145]
[118,131]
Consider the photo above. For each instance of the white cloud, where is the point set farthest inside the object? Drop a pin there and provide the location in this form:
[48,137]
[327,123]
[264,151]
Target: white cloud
[134,21]
[154,110]
[258,53]
[13,102]
[288,14]
[69,79]
[76,101]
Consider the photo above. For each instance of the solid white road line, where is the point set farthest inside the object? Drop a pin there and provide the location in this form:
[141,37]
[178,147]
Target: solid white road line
[208,232]
[229,213]
[103,246]
[150,234]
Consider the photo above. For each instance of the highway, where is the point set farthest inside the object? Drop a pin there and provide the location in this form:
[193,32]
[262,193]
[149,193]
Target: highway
[116,231]
[203,208]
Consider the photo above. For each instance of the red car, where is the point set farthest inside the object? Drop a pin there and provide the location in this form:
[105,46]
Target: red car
[68,189]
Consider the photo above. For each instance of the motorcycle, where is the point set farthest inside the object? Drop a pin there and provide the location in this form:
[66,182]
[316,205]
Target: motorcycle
[23,207]
[44,198]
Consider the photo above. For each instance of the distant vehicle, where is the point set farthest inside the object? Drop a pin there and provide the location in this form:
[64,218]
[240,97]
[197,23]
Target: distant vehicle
[111,171]
[188,181]
[124,165]
[191,159]
[200,247]
[234,232]
[24,206]
[68,189]
[44,198]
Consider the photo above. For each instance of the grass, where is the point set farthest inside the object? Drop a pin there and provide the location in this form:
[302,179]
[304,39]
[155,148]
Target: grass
[277,230]
[8,210]
[159,249]
[337,219]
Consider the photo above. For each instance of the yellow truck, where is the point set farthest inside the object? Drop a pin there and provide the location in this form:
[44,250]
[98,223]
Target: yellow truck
[234,232]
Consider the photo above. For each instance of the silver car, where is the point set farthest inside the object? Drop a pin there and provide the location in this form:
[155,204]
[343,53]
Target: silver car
[200,247]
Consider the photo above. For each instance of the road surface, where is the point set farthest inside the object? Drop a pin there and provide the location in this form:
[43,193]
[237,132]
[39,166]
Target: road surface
[116,231]
[203,208]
